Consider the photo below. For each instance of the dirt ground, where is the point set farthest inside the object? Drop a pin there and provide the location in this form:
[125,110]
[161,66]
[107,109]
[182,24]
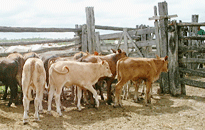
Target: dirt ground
[165,112]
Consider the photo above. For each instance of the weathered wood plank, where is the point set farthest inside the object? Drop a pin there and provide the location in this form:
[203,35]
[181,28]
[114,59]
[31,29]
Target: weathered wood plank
[156,25]
[184,49]
[163,17]
[193,38]
[30,29]
[134,34]
[163,23]
[38,42]
[191,24]
[84,39]
[90,21]
[192,60]
[97,37]
[112,28]
[192,72]
[174,84]
[192,82]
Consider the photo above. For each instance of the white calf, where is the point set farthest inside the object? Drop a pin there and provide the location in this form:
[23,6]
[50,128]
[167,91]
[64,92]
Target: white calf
[33,78]
[67,73]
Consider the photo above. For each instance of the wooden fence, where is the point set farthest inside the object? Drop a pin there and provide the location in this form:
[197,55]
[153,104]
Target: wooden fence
[173,39]
[186,49]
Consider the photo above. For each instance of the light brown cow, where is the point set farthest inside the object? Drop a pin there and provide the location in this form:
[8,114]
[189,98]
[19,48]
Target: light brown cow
[139,68]
[33,78]
[67,73]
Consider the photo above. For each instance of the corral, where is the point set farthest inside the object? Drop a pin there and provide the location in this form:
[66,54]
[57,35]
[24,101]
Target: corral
[165,112]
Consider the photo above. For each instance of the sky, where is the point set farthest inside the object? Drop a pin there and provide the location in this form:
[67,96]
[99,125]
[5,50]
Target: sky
[68,13]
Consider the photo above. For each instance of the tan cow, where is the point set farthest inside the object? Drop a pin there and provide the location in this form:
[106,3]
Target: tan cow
[134,69]
[67,73]
[33,78]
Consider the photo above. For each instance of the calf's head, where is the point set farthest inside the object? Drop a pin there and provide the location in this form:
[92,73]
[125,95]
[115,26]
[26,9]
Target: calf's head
[119,54]
[105,68]
[165,64]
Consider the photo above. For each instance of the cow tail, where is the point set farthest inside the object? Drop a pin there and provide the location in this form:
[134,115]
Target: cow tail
[117,70]
[32,68]
[65,70]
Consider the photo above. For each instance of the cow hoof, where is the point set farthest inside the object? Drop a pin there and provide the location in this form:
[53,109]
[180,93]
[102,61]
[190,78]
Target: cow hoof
[109,102]
[115,106]
[120,105]
[40,111]
[49,112]
[60,114]
[36,119]
[136,101]
[9,104]
[25,121]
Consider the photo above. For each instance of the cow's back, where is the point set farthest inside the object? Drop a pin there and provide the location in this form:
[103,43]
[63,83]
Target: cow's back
[134,68]
[33,71]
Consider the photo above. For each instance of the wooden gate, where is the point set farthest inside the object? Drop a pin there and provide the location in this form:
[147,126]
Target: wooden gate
[186,55]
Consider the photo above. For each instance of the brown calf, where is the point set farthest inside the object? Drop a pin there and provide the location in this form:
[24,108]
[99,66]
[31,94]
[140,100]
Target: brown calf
[134,69]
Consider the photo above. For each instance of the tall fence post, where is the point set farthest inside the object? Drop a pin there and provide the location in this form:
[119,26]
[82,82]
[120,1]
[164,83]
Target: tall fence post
[125,40]
[97,37]
[163,11]
[90,21]
[156,25]
[84,39]
[194,42]
[173,66]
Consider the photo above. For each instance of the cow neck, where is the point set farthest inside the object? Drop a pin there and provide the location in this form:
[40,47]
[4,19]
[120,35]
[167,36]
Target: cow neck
[158,66]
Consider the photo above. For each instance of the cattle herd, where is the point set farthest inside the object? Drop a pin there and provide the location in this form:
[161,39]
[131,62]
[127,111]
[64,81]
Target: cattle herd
[86,72]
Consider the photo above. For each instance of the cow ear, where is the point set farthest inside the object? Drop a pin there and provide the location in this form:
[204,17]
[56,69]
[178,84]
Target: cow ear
[157,57]
[166,58]
[95,53]
[114,51]
[119,50]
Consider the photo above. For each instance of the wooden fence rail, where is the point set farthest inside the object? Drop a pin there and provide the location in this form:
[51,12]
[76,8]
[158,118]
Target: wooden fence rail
[29,29]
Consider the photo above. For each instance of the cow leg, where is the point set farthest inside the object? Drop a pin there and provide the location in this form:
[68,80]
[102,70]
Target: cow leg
[79,98]
[94,92]
[5,92]
[50,97]
[41,100]
[26,103]
[14,90]
[75,93]
[125,91]
[136,95]
[98,86]
[109,98]
[57,100]
[147,96]
[118,91]
[36,104]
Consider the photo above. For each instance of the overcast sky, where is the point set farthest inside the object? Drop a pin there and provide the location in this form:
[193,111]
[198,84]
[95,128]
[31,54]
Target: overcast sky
[67,13]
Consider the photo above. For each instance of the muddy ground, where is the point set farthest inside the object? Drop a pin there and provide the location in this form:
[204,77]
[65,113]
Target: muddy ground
[165,112]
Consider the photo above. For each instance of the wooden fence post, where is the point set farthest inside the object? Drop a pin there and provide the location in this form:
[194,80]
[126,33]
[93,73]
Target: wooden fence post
[157,32]
[173,65]
[77,34]
[97,37]
[90,21]
[163,11]
[125,40]
[194,42]
[182,42]
[84,39]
